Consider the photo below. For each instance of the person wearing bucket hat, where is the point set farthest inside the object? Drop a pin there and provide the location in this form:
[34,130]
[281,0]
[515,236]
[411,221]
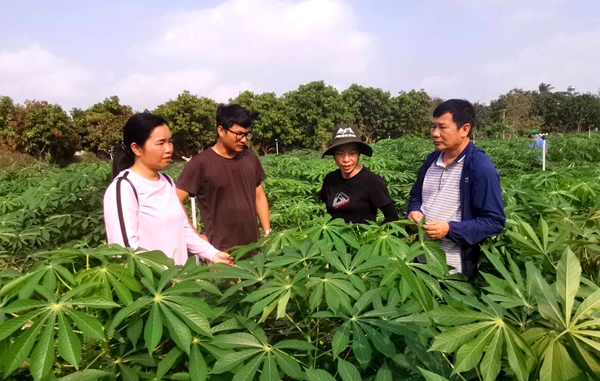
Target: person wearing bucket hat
[353,192]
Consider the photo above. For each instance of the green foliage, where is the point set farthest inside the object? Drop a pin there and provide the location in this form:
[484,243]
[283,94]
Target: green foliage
[322,300]
[39,129]
[412,112]
[101,125]
[192,120]
[315,109]
[372,110]
[273,121]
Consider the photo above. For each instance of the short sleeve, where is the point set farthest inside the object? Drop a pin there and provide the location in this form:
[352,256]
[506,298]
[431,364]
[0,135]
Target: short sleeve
[380,195]
[260,172]
[190,177]
[323,192]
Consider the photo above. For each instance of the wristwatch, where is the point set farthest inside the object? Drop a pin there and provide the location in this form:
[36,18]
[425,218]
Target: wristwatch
[267,232]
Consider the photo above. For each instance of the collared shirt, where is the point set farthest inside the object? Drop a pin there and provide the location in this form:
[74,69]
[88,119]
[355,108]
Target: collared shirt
[538,142]
[441,201]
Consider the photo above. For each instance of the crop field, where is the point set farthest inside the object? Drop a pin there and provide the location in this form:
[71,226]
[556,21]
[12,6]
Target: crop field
[322,300]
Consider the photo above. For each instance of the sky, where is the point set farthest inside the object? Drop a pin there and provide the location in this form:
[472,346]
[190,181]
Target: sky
[76,53]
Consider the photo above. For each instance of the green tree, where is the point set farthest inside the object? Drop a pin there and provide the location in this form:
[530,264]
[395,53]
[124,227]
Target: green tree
[411,112]
[43,130]
[568,113]
[273,120]
[315,109]
[192,120]
[516,109]
[101,125]
[371,110]
[7,114]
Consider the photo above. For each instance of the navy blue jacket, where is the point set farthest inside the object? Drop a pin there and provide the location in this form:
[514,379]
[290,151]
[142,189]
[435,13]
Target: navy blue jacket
[482,207]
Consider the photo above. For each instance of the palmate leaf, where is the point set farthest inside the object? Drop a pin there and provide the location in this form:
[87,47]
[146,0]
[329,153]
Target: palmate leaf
[584,358]
[178,331]
[341,339]
[233,359]
[557,364]
[547,303]
[89,326]
[453,338]
[269,370]
[430,376]
[42,356]
[516,360]
[491,363]
[318,375]
[198,369]
[18,352]
[11,325]
[590,305]
[86,375]
[154,328]
[448,315]
[247,372]
[167,362]
[360,345]
[69,346]
[568,276]
[469,354]
[348,371]
[416,286]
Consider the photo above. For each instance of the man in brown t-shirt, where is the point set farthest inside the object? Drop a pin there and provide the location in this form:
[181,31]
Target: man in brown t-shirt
[227,181]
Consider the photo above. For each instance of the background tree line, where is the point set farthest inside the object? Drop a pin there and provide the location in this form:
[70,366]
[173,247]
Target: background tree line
[302,118]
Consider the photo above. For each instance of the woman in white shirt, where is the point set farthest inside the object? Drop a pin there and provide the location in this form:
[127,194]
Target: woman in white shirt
[141,208]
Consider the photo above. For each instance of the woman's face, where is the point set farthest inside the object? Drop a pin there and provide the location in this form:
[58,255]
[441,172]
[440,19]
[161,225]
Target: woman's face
[346,157]
[157,151]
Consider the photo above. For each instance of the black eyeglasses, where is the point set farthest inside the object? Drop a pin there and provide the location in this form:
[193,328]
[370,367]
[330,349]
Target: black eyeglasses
[241,135]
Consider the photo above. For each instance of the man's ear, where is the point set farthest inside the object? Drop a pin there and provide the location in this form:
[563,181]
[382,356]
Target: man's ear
[221,131]
[465,130]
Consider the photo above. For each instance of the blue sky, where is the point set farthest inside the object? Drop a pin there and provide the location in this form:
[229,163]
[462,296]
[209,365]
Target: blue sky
[76,53]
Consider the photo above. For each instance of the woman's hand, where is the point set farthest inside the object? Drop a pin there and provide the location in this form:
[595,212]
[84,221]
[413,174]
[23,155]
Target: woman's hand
[223,257]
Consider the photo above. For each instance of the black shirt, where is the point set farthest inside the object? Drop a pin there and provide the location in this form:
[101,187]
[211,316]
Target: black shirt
[355,199]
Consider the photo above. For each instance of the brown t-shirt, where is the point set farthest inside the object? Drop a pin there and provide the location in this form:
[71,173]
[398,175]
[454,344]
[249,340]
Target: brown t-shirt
[226,193]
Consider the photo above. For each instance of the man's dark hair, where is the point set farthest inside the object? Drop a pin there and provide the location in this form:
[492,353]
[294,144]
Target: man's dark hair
[228,115]
[462,112]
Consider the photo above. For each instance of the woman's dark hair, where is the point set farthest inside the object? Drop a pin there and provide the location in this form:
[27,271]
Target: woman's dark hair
[137,130]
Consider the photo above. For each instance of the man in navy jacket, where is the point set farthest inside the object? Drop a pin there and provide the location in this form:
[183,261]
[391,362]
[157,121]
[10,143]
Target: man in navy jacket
[457,189]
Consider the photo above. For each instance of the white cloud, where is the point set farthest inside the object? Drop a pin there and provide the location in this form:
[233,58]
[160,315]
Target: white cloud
[36,73]
[149,90]
[270,37]
[224,92]
[219,51]
[438,85]
[562,60]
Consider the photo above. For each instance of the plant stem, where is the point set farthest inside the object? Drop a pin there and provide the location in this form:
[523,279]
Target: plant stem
[295,324]
[63,282]
[452,366]
[94,360]
[316,345]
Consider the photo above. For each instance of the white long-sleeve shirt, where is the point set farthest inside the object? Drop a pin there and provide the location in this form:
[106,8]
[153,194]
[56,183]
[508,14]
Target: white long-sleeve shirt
[154,220]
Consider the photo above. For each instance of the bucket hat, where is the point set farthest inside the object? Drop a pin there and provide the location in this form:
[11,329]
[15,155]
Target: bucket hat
[344,134]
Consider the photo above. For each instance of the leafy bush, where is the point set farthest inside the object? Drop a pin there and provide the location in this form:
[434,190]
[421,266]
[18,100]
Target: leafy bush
[101,126]
[323,300]
[314,304]
[40,129]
